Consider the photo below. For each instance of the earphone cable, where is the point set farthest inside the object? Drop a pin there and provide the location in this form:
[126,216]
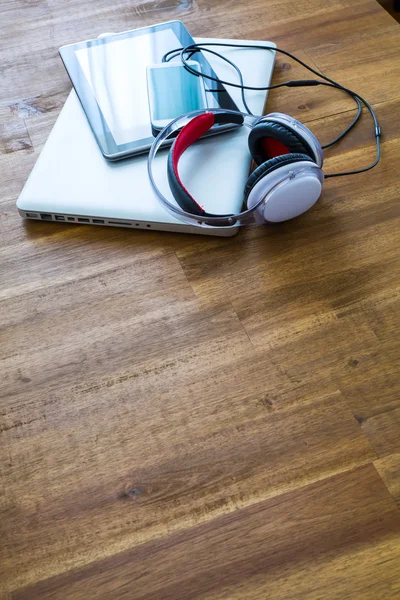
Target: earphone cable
[191,49]
[243,87]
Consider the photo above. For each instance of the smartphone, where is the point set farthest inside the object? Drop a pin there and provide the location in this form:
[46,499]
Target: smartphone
[173,91]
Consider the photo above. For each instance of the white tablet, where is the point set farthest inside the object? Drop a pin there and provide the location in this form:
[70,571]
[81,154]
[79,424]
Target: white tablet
[109,76]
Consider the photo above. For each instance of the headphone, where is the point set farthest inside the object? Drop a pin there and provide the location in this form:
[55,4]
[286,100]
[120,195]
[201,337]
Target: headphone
[288,179]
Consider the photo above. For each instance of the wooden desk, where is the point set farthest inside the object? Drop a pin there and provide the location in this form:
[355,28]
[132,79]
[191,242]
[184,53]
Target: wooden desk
[204,418]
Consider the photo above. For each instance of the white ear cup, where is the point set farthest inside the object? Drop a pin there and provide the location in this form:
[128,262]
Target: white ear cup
[286,192]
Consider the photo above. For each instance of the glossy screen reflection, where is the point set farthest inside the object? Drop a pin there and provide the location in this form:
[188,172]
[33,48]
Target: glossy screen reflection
[116,73]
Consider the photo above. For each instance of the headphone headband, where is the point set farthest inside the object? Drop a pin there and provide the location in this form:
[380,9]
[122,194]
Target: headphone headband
[193,131]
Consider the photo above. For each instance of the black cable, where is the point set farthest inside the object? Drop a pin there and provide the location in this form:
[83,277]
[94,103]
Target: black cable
[243,87]
[346,131]
[377,141]
[238,71]
[199,47]
[193,48]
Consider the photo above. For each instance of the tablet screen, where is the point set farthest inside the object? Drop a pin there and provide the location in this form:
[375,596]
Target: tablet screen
[116,73]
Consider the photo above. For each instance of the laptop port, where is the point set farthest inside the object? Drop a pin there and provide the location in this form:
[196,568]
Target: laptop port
[46,217]
[98,221]
[59,218]
[82,220]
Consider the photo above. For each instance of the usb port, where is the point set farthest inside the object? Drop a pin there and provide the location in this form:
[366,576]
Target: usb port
[82,220]
[71,218]
[98,221]
[31,216]
[45,217]
[59,218]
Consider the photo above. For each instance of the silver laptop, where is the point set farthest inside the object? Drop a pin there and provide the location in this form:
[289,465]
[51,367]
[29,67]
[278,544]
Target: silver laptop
[72,182]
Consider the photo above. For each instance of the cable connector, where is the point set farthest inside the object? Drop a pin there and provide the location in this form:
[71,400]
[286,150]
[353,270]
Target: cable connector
[303,82]
[378,132]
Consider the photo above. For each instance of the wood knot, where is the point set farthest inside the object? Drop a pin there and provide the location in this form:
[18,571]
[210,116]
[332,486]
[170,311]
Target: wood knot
[267,402]
[134,492]
[353,362]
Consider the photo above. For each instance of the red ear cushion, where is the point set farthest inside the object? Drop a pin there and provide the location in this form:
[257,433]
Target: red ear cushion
[271,165]
[268,139]
[272,148]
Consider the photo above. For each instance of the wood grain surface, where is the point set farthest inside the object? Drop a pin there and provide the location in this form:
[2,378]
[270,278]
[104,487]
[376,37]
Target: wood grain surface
[184,417]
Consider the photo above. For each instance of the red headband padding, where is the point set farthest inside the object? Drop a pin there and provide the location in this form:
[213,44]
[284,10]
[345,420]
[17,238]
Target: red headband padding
[272,147]
[187,136]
